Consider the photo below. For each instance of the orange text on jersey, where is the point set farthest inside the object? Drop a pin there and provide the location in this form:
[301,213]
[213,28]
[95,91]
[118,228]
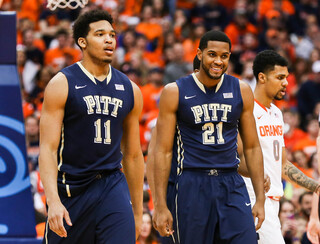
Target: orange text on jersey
[271,130]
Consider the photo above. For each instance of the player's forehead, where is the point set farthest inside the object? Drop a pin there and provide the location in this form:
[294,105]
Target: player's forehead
[101,25]
[279,70]
[218,47]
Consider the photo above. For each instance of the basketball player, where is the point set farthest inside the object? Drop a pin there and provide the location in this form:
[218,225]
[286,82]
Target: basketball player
[271,72]
[198,123]
[170,190]
[90,110]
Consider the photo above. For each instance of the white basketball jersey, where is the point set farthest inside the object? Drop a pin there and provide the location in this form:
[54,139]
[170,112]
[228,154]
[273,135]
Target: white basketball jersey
[269,123]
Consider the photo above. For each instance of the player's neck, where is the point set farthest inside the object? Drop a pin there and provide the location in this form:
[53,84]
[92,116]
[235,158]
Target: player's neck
[99,71]
[262,98]
[207,81]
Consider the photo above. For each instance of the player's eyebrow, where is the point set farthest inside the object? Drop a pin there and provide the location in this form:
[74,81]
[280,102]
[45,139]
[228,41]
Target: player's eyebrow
[103,30]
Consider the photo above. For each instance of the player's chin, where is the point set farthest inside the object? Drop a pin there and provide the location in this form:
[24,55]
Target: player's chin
[278,97]
[107,60]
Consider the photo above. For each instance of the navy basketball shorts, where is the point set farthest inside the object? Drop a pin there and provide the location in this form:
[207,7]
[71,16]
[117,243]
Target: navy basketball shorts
[212,209]
[101,214]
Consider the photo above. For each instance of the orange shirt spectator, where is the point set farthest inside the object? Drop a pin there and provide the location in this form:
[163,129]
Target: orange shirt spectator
[238,28]
[132,7]
[307,145]
[265,5]
[295,136]
[150,29]
[151,95]
[56,57]
[186,4]
[60,56]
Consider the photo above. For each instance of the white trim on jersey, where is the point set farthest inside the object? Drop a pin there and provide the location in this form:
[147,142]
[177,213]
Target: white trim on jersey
[61,147]
[201,86]
[91,77]
[180,152]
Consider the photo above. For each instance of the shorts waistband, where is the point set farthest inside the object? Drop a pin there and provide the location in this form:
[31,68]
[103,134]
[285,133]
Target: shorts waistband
[106,173]
[213,172]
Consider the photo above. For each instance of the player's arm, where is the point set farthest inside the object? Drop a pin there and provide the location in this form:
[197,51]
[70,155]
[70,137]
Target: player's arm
[313,227]
[50,130]
[133,163]
[252,151]
[313,230]
[293,174]
[150,161]
[243,170]
[166,124]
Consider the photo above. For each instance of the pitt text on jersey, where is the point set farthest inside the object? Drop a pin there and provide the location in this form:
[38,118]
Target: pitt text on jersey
[100,105]
[208,113]
[201,112]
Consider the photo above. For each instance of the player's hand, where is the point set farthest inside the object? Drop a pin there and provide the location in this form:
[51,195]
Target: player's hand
[313,230]
[258,212]
[56,213]
[162,221]
[138,223]
[266,183]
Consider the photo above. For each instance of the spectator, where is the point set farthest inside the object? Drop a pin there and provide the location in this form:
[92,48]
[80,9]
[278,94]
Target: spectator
[151,29]
[177,67]
[148,234]
[300,160]
[36,96]
[309,92]
[287,220]
[57,57]
[34,47]
[51,21]
[191,44]
[32,138]
[213,13]
[305,202]
[292,132]
[304,45]
[308,144]
[238,28]
[247,74]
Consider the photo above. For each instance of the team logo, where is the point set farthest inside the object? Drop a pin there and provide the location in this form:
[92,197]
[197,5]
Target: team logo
[19,182]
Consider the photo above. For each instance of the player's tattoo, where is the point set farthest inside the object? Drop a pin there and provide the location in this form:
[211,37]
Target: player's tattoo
[300,178]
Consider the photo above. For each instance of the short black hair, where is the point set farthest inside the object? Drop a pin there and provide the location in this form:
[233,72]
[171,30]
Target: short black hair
[213,35]
[266,60]
[81,25]
[196,63]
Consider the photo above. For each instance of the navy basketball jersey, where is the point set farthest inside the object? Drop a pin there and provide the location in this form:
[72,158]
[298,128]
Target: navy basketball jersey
[207,123]
[92,126]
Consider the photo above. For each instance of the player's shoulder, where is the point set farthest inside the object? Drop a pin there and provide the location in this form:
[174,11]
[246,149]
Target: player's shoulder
[57,89]
[170,96]
[59,81]
[171,88]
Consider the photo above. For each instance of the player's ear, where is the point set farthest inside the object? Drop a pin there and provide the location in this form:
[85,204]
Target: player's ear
[82,42]
[261,77]
[199,54]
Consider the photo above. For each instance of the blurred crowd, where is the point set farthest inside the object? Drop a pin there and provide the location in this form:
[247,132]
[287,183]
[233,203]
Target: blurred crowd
[156,43]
